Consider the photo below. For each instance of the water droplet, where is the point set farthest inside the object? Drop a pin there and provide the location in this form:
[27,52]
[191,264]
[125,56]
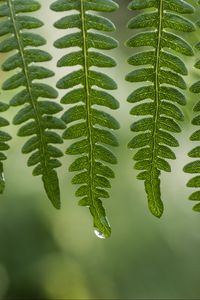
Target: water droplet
[99,234]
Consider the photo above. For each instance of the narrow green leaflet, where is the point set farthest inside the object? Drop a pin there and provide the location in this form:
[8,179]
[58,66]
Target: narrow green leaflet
[161,70]
[85,120]
[4,138]
[38,115]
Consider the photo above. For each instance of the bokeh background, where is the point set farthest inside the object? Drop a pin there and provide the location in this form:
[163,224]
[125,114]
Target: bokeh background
[49,254]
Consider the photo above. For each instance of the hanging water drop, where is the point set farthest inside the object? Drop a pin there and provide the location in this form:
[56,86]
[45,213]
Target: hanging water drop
[99,234]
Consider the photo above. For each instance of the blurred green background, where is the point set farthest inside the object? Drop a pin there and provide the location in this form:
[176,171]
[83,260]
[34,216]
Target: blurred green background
[49,254]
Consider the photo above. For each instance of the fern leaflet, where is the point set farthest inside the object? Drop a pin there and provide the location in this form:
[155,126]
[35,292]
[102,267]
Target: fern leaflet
[4,138]
[163,72]
[87,121]
[194,166]
[13,26]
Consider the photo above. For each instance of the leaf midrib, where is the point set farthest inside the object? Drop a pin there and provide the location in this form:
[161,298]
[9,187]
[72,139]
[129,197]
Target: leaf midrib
[28,86]
[91,158]
[88,103]
[157,101]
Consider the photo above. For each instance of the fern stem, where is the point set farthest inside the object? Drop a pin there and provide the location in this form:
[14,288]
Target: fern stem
[88,112]
[28,86]
[156,205]
[88,104]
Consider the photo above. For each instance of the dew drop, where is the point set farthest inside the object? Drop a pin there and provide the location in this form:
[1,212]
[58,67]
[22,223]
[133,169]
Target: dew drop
[99,234]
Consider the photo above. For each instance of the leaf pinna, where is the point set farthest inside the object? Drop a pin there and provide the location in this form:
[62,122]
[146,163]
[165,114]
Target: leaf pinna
[194,166]
[161,70]
[4,138]
[91,126]
[37,114]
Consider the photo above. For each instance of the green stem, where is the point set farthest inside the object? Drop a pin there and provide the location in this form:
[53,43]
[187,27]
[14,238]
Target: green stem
[88,103]
[33,102]
[99,220]
[157,204]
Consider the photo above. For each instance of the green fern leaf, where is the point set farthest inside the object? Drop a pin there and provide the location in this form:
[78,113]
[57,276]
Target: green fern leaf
[93,173]
[162,73]
[37,114]
[194,166]
[4,138]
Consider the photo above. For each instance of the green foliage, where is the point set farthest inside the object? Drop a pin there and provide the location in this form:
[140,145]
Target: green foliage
[158,71]
[4,137]
[89,124]
[162,74]
[194,166]
[37,114]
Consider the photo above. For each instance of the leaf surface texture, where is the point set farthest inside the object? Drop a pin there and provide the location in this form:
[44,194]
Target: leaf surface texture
[36,115]
[88,92]
[193,167]
[159,66]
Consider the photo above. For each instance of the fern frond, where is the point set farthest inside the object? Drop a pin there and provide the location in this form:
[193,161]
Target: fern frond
[4,138]
[37,114]
[194,166]
[162,71]
[85,120]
